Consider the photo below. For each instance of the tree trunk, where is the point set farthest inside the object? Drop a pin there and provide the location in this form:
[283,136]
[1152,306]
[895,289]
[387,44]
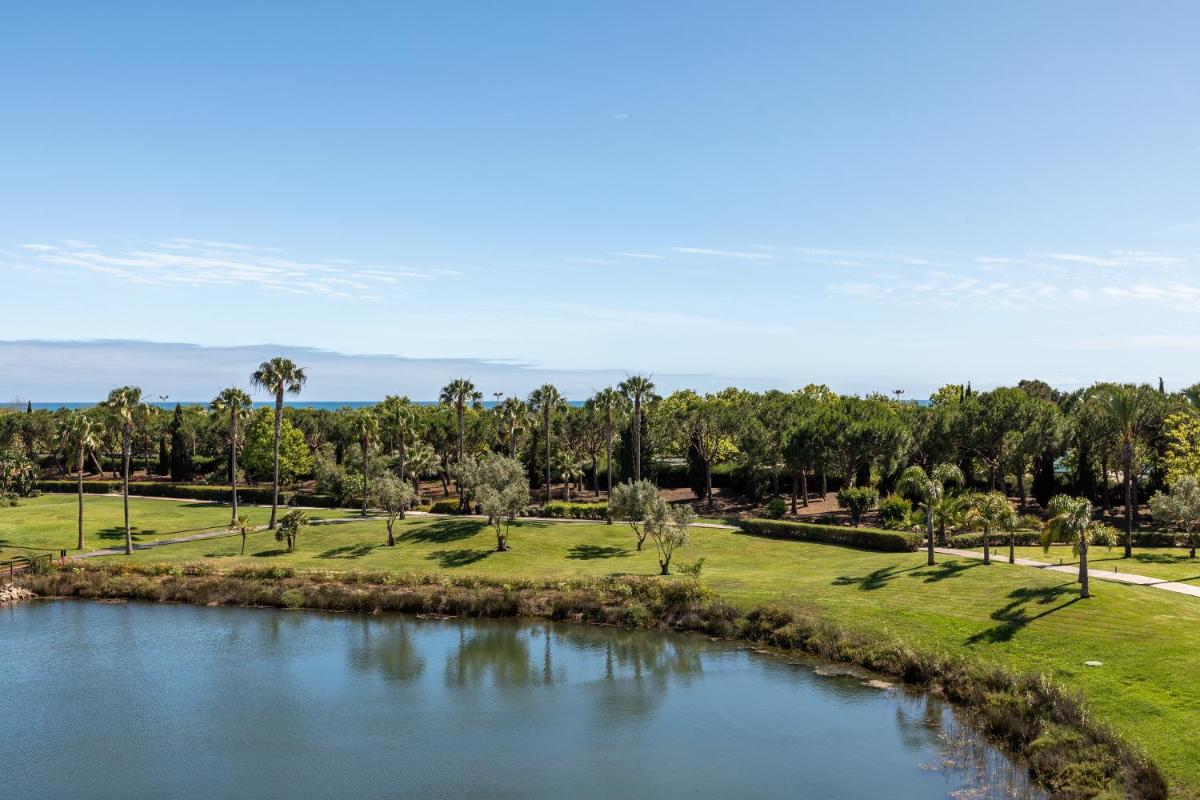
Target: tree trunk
[546,429]
[1128,466]
[824,485]
[1083,569]
[665,565]
[275,482]
[233,465]
[804,487]
[595,476]
[1104,483]
[987,552]
[80,464]
[243,543]
[366,453]
[929,532]
[391,539]
[125,434]
[608,456]
[795,492]
[462,495]
[1021,486]
[1012,547]
[403,451]
[637,437]
[708,481]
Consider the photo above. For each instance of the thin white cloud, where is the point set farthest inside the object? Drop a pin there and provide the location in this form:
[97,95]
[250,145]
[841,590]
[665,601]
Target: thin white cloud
[200,262]
[643,256]
[738,254]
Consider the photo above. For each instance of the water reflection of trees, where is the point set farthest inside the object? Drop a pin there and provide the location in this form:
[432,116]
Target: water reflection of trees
[386,648]
[964,755]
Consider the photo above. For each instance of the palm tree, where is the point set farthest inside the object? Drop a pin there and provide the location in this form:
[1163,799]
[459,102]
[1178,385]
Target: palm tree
[611,402]
[1070,520]
[397,422]
[458,393]
[988,512]
[569,469]
[242,525]
[237,403]
[365,427]
[638,389]
[421,459]
[546,400]
[929,488]
[512,416]
[123,403]
[79,437]
[1124,404]
[277,376]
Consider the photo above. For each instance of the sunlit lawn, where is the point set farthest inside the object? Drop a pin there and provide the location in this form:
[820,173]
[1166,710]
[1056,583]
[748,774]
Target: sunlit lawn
[1168,563]
[48,522]
[1148,641]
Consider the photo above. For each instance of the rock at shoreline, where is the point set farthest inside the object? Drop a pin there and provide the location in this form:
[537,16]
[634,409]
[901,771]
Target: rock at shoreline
[14,594]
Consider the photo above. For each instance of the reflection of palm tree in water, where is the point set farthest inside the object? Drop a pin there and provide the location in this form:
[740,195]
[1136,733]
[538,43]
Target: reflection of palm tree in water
[386,648]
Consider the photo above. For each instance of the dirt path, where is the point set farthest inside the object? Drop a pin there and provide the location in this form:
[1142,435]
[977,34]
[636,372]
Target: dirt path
[1068,569]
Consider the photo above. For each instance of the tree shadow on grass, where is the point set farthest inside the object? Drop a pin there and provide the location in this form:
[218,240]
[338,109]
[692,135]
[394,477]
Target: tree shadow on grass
[278,551]
[945,571]
[350,550]
[586,552]
[443,531]
[135,533]
[1019,613]
[459,558]
[873,580]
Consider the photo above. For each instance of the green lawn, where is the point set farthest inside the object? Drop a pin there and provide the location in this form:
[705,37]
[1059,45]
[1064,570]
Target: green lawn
[1168,563]
[1148,641]
[48,522]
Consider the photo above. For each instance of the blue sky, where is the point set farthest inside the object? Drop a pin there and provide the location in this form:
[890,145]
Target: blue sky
[871,195]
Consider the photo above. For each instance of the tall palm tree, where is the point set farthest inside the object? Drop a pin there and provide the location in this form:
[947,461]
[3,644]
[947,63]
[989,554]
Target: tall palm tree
[79,437]
[364,426]
[611,402]
[279,375]
[458,393]
[512,416]
[397,423]
[929,488]
[123,403]
[1070,520]
[638,389]
[546,400]
[1124,405]
[236,403]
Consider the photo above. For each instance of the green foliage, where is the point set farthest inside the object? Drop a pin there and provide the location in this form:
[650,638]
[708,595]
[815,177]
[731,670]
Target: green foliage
[295,458]
[691,568]
[856,500]
[633,502]
[499,486]
[775,508]
[18,474]
[862,538]
[445,507]
[894,512]
[183,491]
[560,510]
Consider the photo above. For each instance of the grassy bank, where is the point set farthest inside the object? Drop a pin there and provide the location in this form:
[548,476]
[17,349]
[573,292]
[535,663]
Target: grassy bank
[1065,750]
[1167,563]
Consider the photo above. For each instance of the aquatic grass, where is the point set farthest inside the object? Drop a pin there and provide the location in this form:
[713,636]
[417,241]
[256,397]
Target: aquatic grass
[1030,715]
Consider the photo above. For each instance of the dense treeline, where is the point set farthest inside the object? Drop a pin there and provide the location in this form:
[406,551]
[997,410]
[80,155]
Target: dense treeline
[1030,441]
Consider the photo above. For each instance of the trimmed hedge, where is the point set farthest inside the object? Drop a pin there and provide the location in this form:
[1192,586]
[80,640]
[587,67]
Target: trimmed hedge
[559,510]
[967,541]
[863,538]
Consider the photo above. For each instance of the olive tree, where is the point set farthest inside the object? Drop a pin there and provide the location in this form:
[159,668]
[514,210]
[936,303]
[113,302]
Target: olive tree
[668,526]
[633,502]
[1179,508]
[499,486]
[393,496]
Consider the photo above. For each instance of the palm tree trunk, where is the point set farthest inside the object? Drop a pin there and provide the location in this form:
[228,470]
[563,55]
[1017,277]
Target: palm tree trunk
[125,434]
[462,495]
[233,433]
[546,430]
[987,552]
[929,531]
[400,458]
[275,451]
[608,456]
[1012,547]
[80,463]
[795,491]
[637,437]
[1083,569]
[595,476]
[708,481]
[1128,464]
[366,453]
[804,487]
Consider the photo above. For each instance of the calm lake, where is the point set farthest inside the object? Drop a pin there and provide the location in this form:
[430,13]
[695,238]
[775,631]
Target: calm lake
[142,700]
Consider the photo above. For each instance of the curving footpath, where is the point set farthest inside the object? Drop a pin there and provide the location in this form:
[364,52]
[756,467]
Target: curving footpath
[1070,569]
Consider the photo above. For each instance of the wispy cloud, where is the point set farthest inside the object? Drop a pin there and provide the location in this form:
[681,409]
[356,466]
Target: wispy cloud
[200,262]
[643,256]
[744,255]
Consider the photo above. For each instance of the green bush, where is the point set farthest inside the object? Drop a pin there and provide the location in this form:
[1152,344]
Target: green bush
[444,507]
[560,510]
[775,508]
[894,512]
[863,538]
[966,541]
[856,500]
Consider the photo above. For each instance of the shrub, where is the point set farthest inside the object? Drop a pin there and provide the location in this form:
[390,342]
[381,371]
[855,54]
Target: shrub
[863,538]
[966,541]
[775,508]
[559,510]
[444,507]
[894,511]
[691,568]
[856,500]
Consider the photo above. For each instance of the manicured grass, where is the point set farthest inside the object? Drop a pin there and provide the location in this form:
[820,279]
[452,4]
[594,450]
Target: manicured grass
[48,522]
[1023,618]
[1168,563]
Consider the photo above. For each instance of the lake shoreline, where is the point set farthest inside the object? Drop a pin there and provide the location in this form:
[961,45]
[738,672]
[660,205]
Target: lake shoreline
[1025,715]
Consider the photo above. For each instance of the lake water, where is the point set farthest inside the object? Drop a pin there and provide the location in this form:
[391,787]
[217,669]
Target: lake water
[144,700]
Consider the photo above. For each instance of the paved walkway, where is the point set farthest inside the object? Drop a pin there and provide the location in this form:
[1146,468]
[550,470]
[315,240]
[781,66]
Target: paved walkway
[1073,569]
